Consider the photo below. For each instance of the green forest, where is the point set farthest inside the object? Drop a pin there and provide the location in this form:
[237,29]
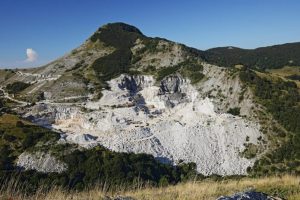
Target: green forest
[281,99]
[261,58]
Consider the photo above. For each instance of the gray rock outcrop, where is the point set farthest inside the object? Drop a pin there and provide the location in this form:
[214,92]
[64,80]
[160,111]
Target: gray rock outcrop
[249,195]
[39,161]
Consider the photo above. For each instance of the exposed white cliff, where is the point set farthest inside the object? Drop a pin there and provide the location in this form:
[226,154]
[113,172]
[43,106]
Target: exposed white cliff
[172,120]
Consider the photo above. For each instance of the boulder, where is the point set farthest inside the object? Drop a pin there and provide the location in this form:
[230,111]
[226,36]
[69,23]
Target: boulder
[249,195]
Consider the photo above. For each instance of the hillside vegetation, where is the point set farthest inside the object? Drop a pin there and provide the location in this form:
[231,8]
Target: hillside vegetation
[291,73]
[16,87]
[281,99]
[121,37]
[261,58]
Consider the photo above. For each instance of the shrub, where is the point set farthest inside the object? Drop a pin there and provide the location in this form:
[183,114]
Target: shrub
[16,87]
[5,160]
[234,111]
[167,71]
[9,138]
[163,181]
[19,124]
[294,77]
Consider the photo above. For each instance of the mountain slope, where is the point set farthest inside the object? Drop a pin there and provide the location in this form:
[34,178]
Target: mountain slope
[49,162]
[131,93]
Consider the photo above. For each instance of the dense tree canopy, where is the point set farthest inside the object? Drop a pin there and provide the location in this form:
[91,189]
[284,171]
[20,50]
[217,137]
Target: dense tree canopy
[261,58]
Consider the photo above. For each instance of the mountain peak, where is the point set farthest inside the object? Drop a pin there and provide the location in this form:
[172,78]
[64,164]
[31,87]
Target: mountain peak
[113,33]
[120,26]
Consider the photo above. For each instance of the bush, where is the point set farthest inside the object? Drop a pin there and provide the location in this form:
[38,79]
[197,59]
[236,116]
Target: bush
[196,77]
[294,77]
[19,124]
[234,111]
[189,69]
[163,181]
[193,70]
[16,87]
[6,162]
[167,71]
[9,138]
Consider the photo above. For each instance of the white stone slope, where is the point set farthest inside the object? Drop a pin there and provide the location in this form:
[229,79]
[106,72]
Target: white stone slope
[172,120]
[41,162]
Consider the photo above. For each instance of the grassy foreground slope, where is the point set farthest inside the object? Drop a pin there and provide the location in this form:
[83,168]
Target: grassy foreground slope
[286,187]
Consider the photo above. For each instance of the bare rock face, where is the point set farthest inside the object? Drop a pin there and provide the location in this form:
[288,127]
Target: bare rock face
[42,162]
[171,119]
[135,83]
[172,90]
[250,195]
[171,84]
[84,140]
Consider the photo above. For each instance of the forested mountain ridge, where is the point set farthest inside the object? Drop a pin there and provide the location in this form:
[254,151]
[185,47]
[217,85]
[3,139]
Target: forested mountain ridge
[270,57]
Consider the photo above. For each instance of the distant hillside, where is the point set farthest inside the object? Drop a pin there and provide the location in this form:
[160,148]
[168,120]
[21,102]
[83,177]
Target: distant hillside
[261,58]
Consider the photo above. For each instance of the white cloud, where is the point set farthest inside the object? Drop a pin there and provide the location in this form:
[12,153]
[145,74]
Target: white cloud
[31,55]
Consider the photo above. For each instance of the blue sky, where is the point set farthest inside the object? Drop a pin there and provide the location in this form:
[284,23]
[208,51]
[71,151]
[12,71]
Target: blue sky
[47,29]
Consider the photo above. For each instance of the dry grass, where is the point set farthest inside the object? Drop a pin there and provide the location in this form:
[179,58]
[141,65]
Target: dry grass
[286,186]
[287,71]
